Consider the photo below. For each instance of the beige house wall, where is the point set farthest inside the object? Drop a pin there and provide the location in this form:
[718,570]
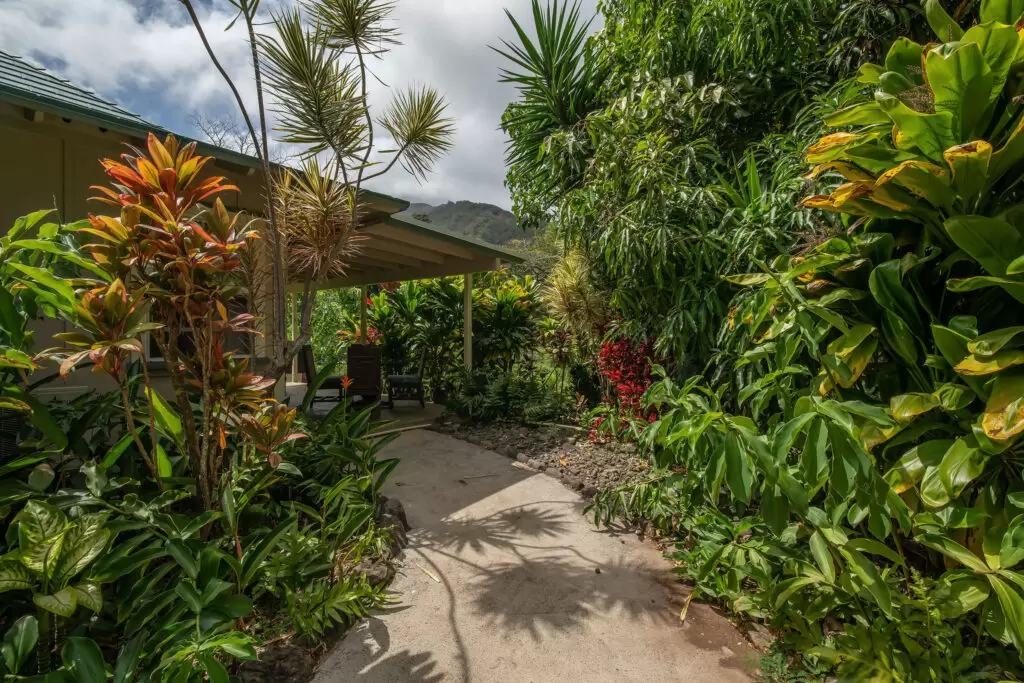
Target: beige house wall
[50,162]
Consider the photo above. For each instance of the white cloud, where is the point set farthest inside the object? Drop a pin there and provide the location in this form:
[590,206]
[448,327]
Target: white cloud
[146,55]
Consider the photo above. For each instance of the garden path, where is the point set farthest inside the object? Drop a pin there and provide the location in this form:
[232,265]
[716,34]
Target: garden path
[505,580]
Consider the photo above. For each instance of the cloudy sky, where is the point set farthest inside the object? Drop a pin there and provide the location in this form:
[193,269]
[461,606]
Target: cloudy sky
[145,55]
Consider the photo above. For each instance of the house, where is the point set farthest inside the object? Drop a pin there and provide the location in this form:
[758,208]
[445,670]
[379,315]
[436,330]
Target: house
[53,132]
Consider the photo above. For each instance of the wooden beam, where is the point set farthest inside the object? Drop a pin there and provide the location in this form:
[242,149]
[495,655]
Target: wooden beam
[370,277]
[388,258]
[392,247]
[361,259]
[467,321]
[408,237]
[362,314]
[34,115]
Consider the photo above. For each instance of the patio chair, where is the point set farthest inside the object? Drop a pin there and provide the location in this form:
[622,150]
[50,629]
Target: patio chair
[407,386]
[332,383]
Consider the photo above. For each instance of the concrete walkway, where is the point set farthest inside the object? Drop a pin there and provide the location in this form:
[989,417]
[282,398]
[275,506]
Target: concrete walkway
[505,581]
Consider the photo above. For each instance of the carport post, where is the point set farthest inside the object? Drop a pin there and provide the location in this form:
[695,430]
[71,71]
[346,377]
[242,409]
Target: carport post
[363,293]
[467,323]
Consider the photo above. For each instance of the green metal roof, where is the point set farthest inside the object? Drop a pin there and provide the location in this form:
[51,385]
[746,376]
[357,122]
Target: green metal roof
[23,82]
[26,84]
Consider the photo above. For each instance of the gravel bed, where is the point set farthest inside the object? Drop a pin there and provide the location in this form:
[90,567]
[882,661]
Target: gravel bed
[562,452]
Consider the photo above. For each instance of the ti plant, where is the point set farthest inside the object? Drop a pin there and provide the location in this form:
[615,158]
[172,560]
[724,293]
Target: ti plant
[164,268]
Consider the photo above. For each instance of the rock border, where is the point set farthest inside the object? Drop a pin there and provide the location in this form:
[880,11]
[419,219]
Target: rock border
[560,451]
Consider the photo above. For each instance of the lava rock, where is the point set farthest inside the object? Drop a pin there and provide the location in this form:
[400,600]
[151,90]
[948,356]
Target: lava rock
[394,507]
[378,571]
[283,662]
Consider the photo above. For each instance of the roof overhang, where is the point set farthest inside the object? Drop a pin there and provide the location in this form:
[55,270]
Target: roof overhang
[397,249]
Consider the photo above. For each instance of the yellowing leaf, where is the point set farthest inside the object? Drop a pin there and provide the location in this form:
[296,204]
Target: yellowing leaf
[907,406]
[1004,412]
[986,365]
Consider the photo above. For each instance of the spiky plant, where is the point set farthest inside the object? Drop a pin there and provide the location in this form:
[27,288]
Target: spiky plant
[557,80]
[573,300]
[316,218]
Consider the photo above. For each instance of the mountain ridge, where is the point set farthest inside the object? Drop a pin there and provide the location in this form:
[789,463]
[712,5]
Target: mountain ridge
[485,222]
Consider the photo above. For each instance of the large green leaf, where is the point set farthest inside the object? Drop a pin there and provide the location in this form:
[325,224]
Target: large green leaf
[65,293]
[929,134]
[822,555]
[954,550]
[910,469]
[962,84]
[1003,11]
[89,595]
[999,46]
[61,603]
[870,578]
[15,576]
[83,543]
[886,284]
[814,458]
[128,659]
[961,465]
[738,471]
[168,422]
[83,658]
[181,553]
[965,595]
[19,641]
[908,406]
[991,342]
[64,252]
[1012,549]
[1013,611]
[991,241]
[941,23]
[41,529]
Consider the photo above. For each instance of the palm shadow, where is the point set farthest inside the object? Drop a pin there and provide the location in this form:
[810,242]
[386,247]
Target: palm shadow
[502,530]
[372,662]
[543,595]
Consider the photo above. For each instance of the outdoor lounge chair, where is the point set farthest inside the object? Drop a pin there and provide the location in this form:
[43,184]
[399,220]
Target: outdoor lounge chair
[309,369]
[407,386]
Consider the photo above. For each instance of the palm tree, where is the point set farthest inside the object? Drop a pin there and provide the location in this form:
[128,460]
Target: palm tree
[316,63]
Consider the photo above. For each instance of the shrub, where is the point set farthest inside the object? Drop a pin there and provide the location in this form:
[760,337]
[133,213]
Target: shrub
[865,495]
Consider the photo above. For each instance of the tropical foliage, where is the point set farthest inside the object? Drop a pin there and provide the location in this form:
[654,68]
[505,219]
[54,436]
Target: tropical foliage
[160,531]
[853,476]
[316,58]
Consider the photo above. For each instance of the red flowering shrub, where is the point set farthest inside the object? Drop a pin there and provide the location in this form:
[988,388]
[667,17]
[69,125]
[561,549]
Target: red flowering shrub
[628,372]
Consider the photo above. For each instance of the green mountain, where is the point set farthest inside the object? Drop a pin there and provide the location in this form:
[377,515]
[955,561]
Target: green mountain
[484,222]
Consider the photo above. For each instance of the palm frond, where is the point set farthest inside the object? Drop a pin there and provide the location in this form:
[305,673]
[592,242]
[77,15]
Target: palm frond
[357,25]
[319,104]
[420,129]
[558,82]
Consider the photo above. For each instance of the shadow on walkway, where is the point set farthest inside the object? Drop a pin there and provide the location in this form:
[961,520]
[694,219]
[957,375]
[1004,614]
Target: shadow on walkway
[504,580]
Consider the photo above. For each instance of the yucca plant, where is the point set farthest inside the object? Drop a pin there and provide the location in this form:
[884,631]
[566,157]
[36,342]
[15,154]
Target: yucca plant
[316,60]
